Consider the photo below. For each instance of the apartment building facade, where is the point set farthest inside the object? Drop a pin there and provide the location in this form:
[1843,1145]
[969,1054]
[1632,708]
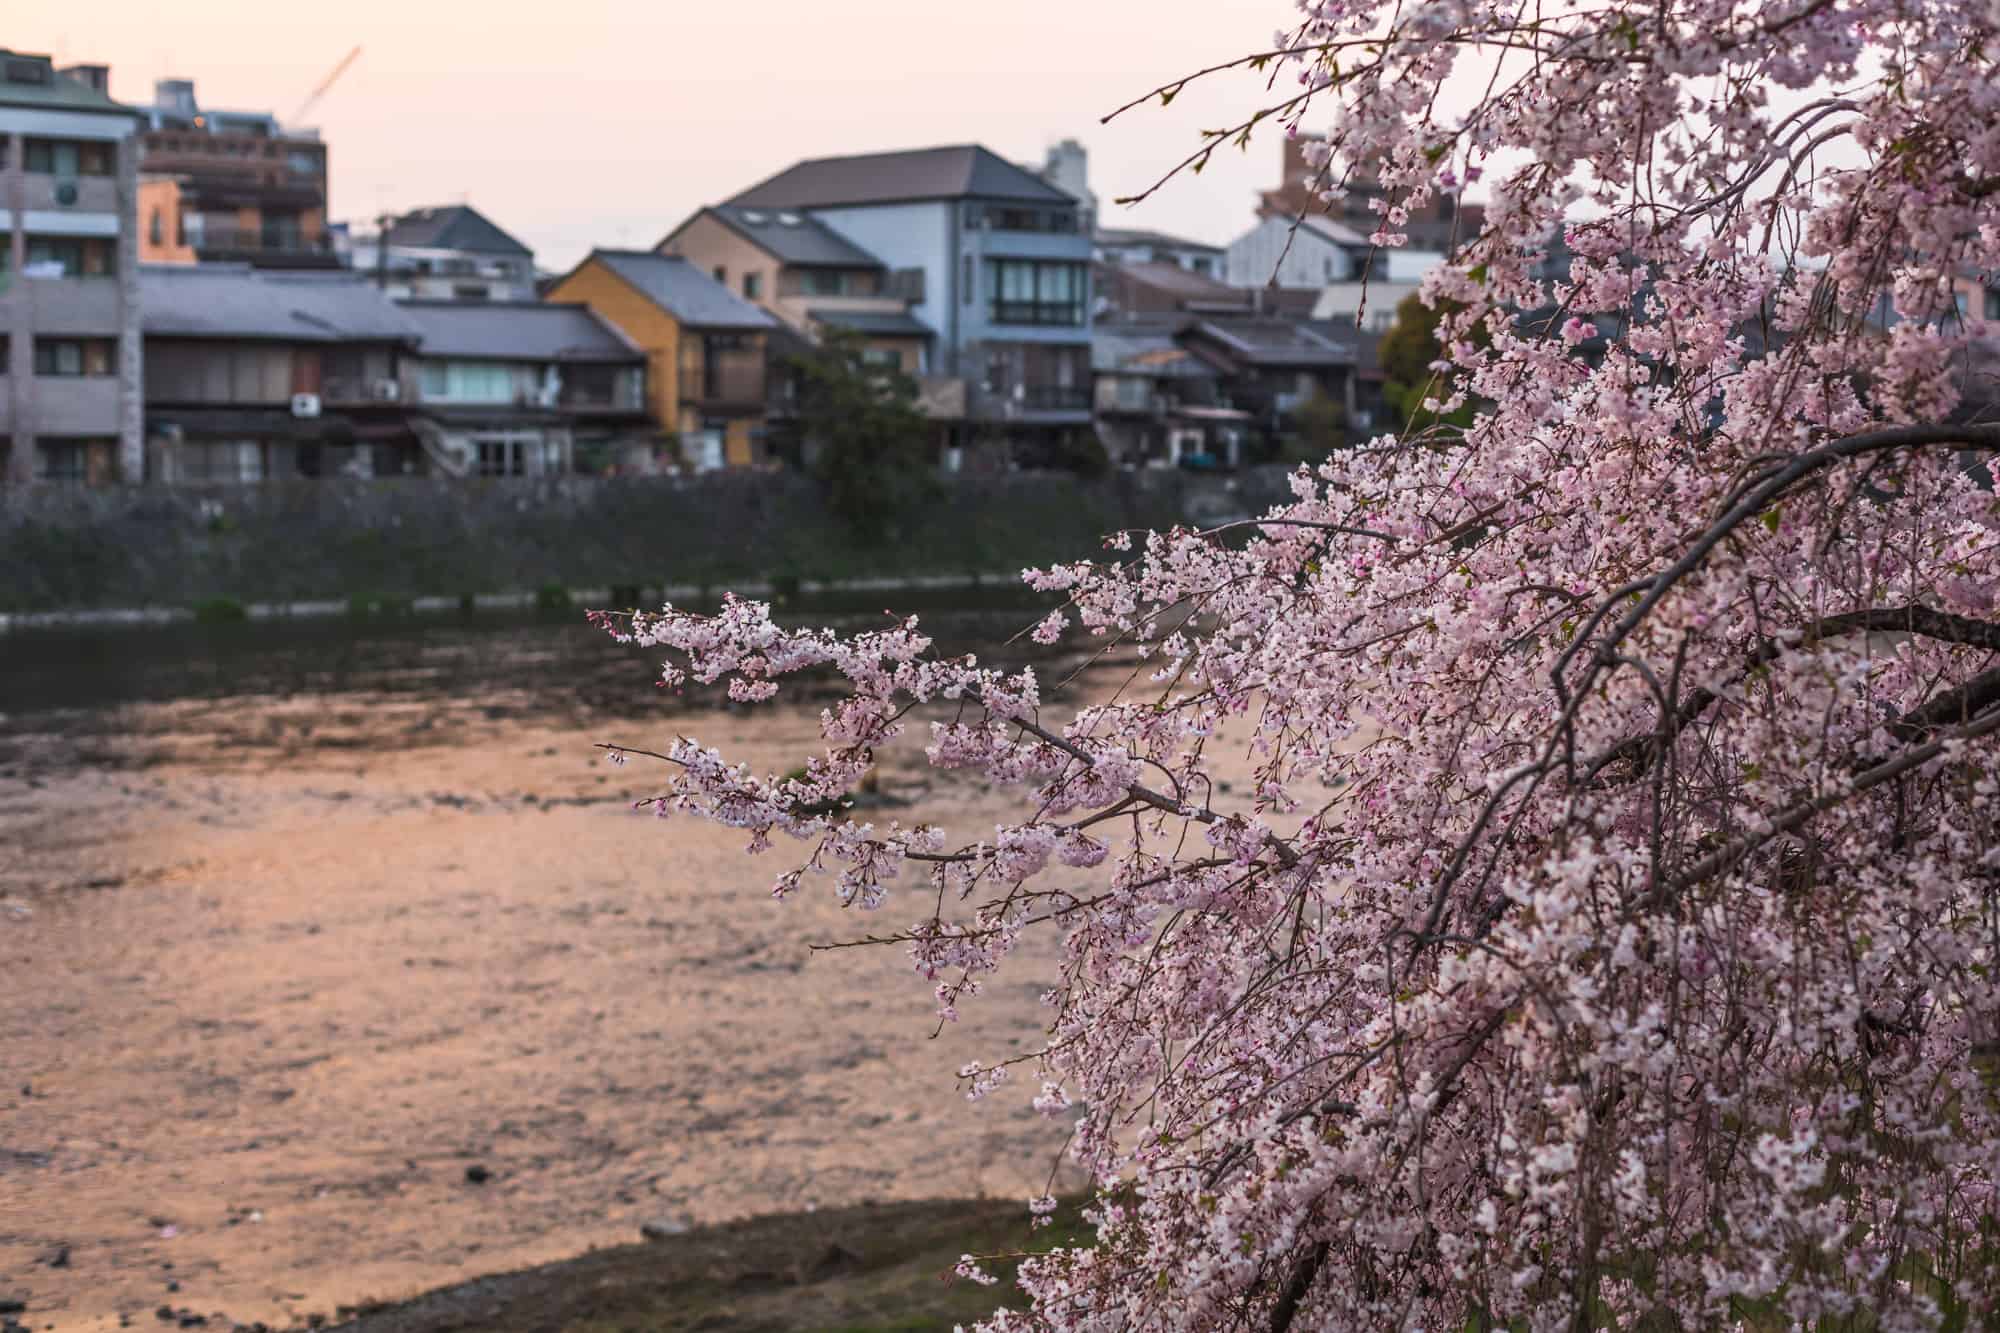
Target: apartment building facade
[452,252]
[1006,286]
[232,186]
[70,349]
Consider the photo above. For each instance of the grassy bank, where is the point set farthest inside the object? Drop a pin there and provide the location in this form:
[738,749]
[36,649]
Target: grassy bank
[867,1269]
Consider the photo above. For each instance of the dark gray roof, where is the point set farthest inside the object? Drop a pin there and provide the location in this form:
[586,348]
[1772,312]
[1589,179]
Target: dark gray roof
[878,323]
[517,331]
[453,227]
[961,171]
[682,290]
[1149,351]
[40,85]
[1269,341]
[1138,236]
[794,238]
[237,301]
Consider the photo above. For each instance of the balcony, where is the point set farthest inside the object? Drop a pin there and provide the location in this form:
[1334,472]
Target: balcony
[1032,403]
[1129,397]
[264,247]
[69,194]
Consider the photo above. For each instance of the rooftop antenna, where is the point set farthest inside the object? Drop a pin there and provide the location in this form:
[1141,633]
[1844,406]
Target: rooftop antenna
[312,99]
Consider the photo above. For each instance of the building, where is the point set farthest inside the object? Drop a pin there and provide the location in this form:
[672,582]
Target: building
[809,276]
[448,253]
[70,407]
[1133,289]
[1440,225]
[1005,286]
[1158,404]
[1279,370]
[1067,167]
[706,351]
[508,389]
[256,375]
[232,186]
[1117,245]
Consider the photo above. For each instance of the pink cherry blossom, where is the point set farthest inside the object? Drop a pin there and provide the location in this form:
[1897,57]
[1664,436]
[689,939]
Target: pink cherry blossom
[1547,872]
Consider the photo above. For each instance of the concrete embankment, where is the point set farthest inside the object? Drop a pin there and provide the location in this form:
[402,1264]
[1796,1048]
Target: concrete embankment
[310,547]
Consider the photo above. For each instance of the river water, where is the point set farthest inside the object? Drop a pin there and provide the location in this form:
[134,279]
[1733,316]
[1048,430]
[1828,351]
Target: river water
[335,965]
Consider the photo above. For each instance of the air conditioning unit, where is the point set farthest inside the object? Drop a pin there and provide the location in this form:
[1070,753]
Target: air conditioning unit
[305,404]
[386,390]
[66,193]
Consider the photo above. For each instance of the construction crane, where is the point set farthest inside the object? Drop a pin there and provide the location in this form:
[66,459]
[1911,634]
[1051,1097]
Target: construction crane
[326,83]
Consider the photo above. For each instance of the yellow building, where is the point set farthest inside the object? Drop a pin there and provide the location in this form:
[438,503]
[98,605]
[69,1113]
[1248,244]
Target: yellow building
[705,349]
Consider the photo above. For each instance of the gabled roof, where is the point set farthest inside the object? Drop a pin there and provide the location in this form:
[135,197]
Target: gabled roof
[792,238]
[517,331]
[957,172]
[1270,341]
[1119,236]
[1173,280]
[1338,232]
[27,79]
[875,323]
[235,301]
[454,227]
[682,290]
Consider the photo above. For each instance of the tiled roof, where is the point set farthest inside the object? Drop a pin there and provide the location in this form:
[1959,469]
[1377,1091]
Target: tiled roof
[1269,341]
[1122,236]
[957,172]
[879,323]
[794,238]
[517,331]
[237,301]
[453,227]
[32,80]
[682,290]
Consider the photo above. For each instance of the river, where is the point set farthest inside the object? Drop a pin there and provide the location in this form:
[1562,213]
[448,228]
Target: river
[335,965]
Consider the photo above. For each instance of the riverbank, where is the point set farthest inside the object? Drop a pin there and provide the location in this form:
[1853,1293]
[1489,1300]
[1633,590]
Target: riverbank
[329,980]
[288,548]
[866,1269]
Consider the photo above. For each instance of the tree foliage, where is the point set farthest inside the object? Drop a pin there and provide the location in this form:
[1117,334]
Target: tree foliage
[1548,875]
[870,442]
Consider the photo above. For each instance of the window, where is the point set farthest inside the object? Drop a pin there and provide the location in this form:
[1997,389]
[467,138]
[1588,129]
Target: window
[466,382]
[462,291]
[1004,217]
[1202,264]
[75,356]
[69,157]
[218,460]
[1023,291]
[64,256]
[502,455]
[722,275]
[62,460]
[753,286]
[966,280]
[1993,303]
[824,282]
[878,355]
[156,230]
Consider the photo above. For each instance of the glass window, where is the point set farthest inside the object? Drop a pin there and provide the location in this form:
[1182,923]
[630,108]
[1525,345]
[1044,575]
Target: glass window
[753,286]
[64,256]
[722,275]
[62,460]
[967,280]
[825,282]
[1025,291]
[68,357]
[1993,303]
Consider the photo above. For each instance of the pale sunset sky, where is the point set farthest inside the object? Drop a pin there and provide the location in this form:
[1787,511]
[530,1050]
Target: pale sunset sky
[606,121]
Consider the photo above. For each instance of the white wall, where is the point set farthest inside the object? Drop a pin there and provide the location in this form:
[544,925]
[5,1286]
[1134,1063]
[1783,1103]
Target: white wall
[1297,255]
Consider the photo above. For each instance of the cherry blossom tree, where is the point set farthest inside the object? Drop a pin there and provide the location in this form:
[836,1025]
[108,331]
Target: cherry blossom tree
[1602,927]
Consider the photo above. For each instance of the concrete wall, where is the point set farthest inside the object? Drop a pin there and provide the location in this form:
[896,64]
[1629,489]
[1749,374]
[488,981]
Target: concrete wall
[73,548]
